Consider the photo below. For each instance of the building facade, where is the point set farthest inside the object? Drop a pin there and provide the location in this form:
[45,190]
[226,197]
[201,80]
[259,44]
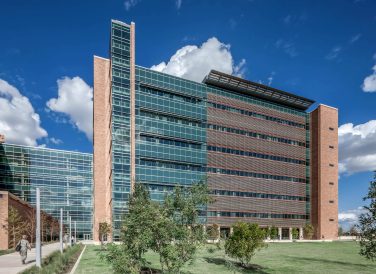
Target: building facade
[265,157]
[9,201]
[64,179]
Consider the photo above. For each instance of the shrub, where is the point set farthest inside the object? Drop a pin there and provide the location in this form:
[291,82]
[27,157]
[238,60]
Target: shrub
[295,233]
[308,231]
[273,232]
[245,240]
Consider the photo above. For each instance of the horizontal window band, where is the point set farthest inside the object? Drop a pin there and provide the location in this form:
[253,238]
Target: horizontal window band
[247,194]
[170,114]
[148,85]
[257,215]
[169,95]
[197,167]
[170,164]
[256,115]
[255,135]
[254,155]
[240,173]
[169,141]
[149,134]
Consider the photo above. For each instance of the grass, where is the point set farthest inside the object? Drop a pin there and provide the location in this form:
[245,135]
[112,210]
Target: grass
[90,262]
[335,257]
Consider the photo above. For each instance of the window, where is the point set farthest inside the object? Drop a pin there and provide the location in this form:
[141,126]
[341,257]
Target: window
[331,202]
[331,165]
[331,183]
[332,147]
[330,128]
[331,220]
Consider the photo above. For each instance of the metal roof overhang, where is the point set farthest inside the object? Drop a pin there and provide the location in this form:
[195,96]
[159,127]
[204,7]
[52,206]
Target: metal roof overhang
[239,85]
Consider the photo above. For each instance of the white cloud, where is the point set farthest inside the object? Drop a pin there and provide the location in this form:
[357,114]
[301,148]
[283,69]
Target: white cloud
[18,121]
[333,54]
[369,83]
[178,4]
[357,147]
[355,38]
[75,99]
[130,4]
[55,141]
[194,63]
[350,217]
[287,46]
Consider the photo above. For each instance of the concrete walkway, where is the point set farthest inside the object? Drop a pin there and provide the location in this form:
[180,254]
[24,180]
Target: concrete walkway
[11,263]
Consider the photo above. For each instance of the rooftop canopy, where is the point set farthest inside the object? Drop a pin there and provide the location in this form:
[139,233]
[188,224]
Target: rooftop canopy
[239,85]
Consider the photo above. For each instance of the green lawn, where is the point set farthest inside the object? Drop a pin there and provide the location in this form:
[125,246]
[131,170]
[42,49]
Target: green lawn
[335,257]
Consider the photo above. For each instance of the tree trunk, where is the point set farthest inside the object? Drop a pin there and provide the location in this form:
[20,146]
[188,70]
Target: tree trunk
[14,236]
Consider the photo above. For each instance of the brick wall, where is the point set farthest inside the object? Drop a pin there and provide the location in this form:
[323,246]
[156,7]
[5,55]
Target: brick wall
[102,141]
[324,172]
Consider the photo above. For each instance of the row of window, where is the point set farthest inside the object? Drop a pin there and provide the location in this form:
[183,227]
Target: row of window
[256,135]
[256,215]
[256,155]
[170,118]
[173,165]
[254,174]
[170,142]
[123,33]
[256,115]
[259,195]
[169,95]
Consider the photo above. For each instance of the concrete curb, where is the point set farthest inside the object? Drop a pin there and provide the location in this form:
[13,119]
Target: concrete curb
[77,262]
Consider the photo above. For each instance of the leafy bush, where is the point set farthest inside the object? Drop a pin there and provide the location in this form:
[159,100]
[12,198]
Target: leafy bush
[308,231]
[244,242]
[295,233]
[273,232]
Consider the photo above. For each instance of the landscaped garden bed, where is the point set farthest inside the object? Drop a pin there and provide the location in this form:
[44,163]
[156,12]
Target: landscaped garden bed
[58,263]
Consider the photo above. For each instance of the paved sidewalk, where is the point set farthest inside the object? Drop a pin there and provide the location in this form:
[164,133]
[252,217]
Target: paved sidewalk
[11,263]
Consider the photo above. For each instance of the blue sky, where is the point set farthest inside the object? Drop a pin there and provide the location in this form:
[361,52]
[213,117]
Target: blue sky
[323,50]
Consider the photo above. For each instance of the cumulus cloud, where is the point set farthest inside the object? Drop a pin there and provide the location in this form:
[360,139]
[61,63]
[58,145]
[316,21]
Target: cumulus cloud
[369,83]
[75,99]
[55,141]
[357,147]
[18,120]
[194,63]
[350,217]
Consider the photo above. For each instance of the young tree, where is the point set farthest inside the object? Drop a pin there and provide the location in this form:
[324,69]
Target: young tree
[273,233]
[179,233]
[245,240]
[367,224]
[15,226]
[295,233]
[171,229]
[353,231]
[31,224]
[137,233]
[54,228]
[104,229]
[340,231]
[308,231]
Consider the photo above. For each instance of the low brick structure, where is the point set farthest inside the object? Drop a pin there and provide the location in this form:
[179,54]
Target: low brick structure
[8,200]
